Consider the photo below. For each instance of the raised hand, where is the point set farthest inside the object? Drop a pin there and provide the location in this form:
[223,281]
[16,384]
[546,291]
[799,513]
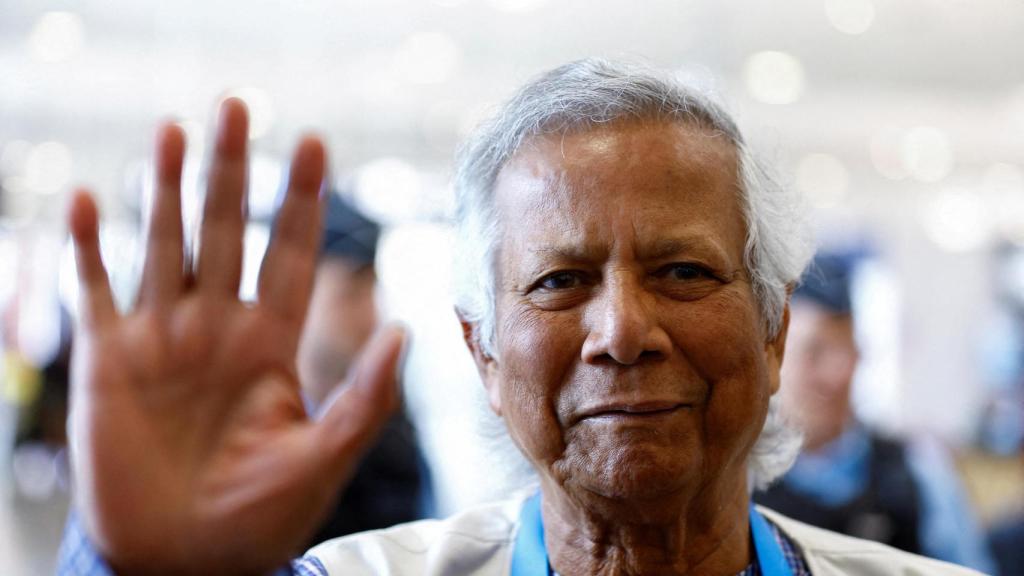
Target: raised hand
[191,449]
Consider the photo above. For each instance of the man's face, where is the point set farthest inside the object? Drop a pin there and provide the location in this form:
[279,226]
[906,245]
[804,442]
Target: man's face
[632,361]
[821,360]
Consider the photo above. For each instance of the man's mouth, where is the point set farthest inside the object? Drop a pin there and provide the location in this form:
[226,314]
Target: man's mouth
[634,410]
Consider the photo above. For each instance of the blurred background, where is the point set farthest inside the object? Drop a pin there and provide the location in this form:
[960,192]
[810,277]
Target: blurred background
[902,121]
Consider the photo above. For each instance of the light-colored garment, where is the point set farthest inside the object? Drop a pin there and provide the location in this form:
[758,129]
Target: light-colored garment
[479,542]
[831,554]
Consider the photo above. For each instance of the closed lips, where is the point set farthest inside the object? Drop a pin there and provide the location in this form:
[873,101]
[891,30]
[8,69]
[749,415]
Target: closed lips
[634,409]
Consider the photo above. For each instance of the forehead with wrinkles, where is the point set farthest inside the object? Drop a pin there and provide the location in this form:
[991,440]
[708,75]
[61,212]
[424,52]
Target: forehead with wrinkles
[674,183]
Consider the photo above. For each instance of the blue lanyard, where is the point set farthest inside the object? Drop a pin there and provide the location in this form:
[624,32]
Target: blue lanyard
[530,558]
[769,554]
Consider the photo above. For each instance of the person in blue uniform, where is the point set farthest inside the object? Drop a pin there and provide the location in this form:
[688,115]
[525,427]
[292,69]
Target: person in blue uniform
[390,486]
[1008,545]
[849,478]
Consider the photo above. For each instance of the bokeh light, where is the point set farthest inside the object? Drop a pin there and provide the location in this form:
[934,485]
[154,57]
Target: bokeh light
[886,153]
[56,37]
[823,178]
[927,153]
[956,221]
[34,469]
[774,77]
[388,189]
[14,156]
[427,58]
[48,167]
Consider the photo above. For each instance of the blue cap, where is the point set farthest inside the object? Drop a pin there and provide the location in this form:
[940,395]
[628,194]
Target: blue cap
[347,233]
[827,283]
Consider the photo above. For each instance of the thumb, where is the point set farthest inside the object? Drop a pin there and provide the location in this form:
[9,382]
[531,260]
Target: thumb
[354,416]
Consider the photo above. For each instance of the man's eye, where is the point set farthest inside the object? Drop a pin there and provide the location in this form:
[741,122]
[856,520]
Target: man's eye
[560,281]
[684,272]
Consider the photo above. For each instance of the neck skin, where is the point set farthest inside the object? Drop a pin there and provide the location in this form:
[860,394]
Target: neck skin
[705,536]
[818,437]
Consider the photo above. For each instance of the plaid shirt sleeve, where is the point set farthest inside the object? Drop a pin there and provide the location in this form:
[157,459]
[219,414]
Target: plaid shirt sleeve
[78,556]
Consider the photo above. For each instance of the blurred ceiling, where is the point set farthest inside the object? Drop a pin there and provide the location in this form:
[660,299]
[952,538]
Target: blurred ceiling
[903,117]
[860,95]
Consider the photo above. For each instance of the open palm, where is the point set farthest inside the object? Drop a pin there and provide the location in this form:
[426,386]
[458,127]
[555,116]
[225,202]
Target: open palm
[191,448]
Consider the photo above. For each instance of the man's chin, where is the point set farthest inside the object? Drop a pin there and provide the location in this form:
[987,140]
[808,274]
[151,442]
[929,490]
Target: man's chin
[635,479]
[638,500]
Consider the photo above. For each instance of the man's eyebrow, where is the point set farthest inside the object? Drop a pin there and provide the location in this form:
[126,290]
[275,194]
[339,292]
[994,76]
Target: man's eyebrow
[562,252]
[671,246]
[656,250]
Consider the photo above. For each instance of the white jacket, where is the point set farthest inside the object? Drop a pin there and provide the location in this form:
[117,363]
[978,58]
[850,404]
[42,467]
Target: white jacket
[479,542]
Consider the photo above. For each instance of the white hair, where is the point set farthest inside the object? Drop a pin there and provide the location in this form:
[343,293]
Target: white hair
[592,92]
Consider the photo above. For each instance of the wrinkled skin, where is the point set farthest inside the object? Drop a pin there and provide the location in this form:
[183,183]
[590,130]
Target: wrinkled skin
[632,367]
[191,450]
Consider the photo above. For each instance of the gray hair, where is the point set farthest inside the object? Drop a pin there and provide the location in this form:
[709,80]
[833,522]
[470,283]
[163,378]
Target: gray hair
[591,92]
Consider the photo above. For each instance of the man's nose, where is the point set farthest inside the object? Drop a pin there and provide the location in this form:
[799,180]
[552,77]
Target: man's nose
[623,325]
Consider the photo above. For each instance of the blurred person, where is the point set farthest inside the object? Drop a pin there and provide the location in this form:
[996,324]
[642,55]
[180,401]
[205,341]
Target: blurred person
[1001,427]
[625,264]
[390,484]
[46,413]
[35,334]
[849,478]
[1007,539]
[1004,427]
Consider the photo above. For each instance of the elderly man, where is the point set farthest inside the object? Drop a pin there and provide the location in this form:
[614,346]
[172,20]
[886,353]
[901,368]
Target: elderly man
[625,267]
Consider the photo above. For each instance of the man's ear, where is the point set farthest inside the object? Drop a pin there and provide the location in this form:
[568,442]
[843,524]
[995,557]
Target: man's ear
[486,365]
[775,349]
